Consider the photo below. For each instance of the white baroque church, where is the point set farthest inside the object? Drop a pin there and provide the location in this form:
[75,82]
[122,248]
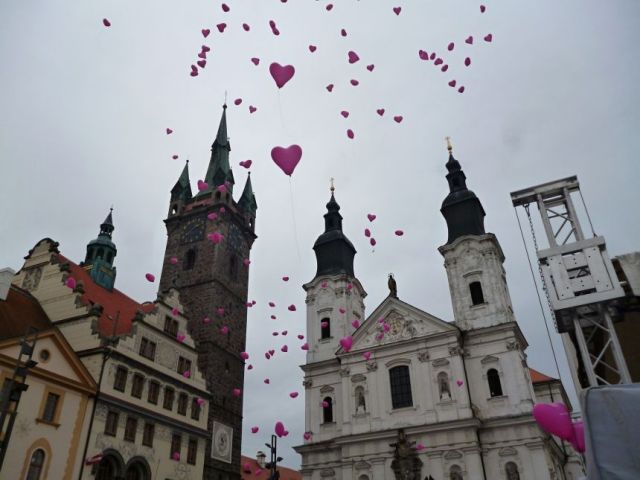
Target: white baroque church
[417,397]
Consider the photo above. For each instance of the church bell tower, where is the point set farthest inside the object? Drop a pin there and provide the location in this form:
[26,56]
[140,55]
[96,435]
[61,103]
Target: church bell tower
[209,239]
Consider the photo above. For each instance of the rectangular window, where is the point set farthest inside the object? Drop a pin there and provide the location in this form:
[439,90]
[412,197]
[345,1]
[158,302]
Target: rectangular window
[400,387]
[50,407]
[168,398]
[184,365]
[121,379]
[130,429]
[111,425]
[195,409]
[171,326]
[148,348]
[183,403]
[176,441]
[192,452]
[147,436]
[154,392]
[136,387]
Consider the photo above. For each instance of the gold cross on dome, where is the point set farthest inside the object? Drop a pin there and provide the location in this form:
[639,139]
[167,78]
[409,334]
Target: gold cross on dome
[332,188]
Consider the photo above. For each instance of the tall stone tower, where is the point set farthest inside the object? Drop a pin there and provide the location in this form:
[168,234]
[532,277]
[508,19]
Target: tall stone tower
[210,235]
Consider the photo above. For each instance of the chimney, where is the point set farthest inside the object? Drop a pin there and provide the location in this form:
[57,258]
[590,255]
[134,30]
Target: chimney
[6,275]
[261,458]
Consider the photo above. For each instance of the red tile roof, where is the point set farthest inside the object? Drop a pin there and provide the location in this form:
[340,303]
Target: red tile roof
[18,312]
[115,303]
[537,377]
[252,465]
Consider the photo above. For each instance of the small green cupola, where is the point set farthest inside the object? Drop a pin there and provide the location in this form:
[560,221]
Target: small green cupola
[100,255]
[219,171]
[248,204]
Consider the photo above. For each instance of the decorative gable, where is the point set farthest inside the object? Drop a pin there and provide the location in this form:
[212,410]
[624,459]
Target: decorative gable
[404,321]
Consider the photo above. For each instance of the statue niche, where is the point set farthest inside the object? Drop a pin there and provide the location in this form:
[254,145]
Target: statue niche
[405,465]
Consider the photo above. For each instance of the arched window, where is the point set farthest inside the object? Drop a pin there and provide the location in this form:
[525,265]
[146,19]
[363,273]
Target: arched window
[455,473]
[495,388]
[35,465]
[109,257]
[327,410]
[511,469]
[218,195]
[100,253]
[400,387]
[325,328]
[476,293]
[361,404]
[443,386]
[174,209]
[190,259]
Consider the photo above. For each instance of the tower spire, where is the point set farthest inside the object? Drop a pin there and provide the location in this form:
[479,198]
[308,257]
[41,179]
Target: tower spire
[461,208]
[247,201]
[219,171]
[101,253]
[182,189]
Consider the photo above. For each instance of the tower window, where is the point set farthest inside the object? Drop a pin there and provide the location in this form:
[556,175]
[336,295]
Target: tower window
[477,297]
[109,257]
[495,388]
[35,465]
[100,253]
[511,469]
[218,195]
[233,267]
[174,209]
[190,259]
[400,382]
[327,410]
[325,328]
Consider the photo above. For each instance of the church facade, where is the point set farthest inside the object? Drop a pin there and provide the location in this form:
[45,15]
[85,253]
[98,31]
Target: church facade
[402,394]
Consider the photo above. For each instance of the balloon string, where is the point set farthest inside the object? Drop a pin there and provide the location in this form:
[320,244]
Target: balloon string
[293,218]
[284,129]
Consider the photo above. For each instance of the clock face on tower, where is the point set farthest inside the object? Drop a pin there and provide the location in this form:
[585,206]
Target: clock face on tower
[193,230]
[221,442]
[235,240]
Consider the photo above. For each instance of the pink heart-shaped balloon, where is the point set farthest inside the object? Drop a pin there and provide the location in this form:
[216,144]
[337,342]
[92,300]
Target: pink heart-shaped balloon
[380,336]
[244,355]
[482,8]
[372,242]
[432,56]
[175,157]
[181,338]
[284,332]
[202,55]
[169,131]
[397,10]
[324,324]
[371,217]
[285,279]
[246,163]
[201,63]
[273,317]
[367,232]
[267,381]
[344,113]
[355,324]
[312,48]
[281,74]
[438,61]
[255,60]
[267,355]
[237,392]
[346,343]
[205,32]
[324,284]
[305,346]
[237,101]
[246,467]
[343,32]
[255,429]
[452,83]
[279,429]
[324,404]
[488,38]
[246,27]
[200,401]
[205,49]
[202,185]
[149,276]
[215,237]
[175,311]
[329,87]
[221,27]
[186,374]
[284,349]
[354,82]
[71,282]
[554,418]
[291,308]
[224,330]
[252,109]
[366,355]
[350,133]
[173,260]
[306,436]
[220,311]
[106,22]
[398,118]
[329,7]
[380,111]
[272,352]
[175,455]
[371,67]
[578,436]
[271,304]
[272,24]
[353,56]
[225,7]
[419,447]
[459,383]
[469,40]
[212,216]
[467,62]
[423,55]
[386,327]
[399,233]
[293,394]
[461,89]
[444,68]
[300,337]
[275,334]
[249,367]
[450,46]
[287,158]
[342,310]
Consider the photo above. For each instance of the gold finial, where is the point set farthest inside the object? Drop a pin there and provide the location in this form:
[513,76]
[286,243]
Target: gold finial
[332,188]
[449,146]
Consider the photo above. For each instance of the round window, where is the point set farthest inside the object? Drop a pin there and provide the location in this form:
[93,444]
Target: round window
[44,355]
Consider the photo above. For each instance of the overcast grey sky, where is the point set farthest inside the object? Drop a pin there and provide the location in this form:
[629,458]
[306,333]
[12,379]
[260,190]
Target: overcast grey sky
[84,112]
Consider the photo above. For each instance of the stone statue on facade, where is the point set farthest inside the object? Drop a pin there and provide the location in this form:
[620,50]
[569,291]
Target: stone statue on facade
[405,465]
[393,286]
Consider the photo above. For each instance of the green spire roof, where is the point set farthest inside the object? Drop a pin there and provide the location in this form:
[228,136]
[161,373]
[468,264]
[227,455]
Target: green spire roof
[182,189]
[100,255]
[247,200]
[219,171]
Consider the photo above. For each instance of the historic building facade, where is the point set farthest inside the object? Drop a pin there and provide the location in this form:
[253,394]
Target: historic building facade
[414,396]
[212,277]
[150,416]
